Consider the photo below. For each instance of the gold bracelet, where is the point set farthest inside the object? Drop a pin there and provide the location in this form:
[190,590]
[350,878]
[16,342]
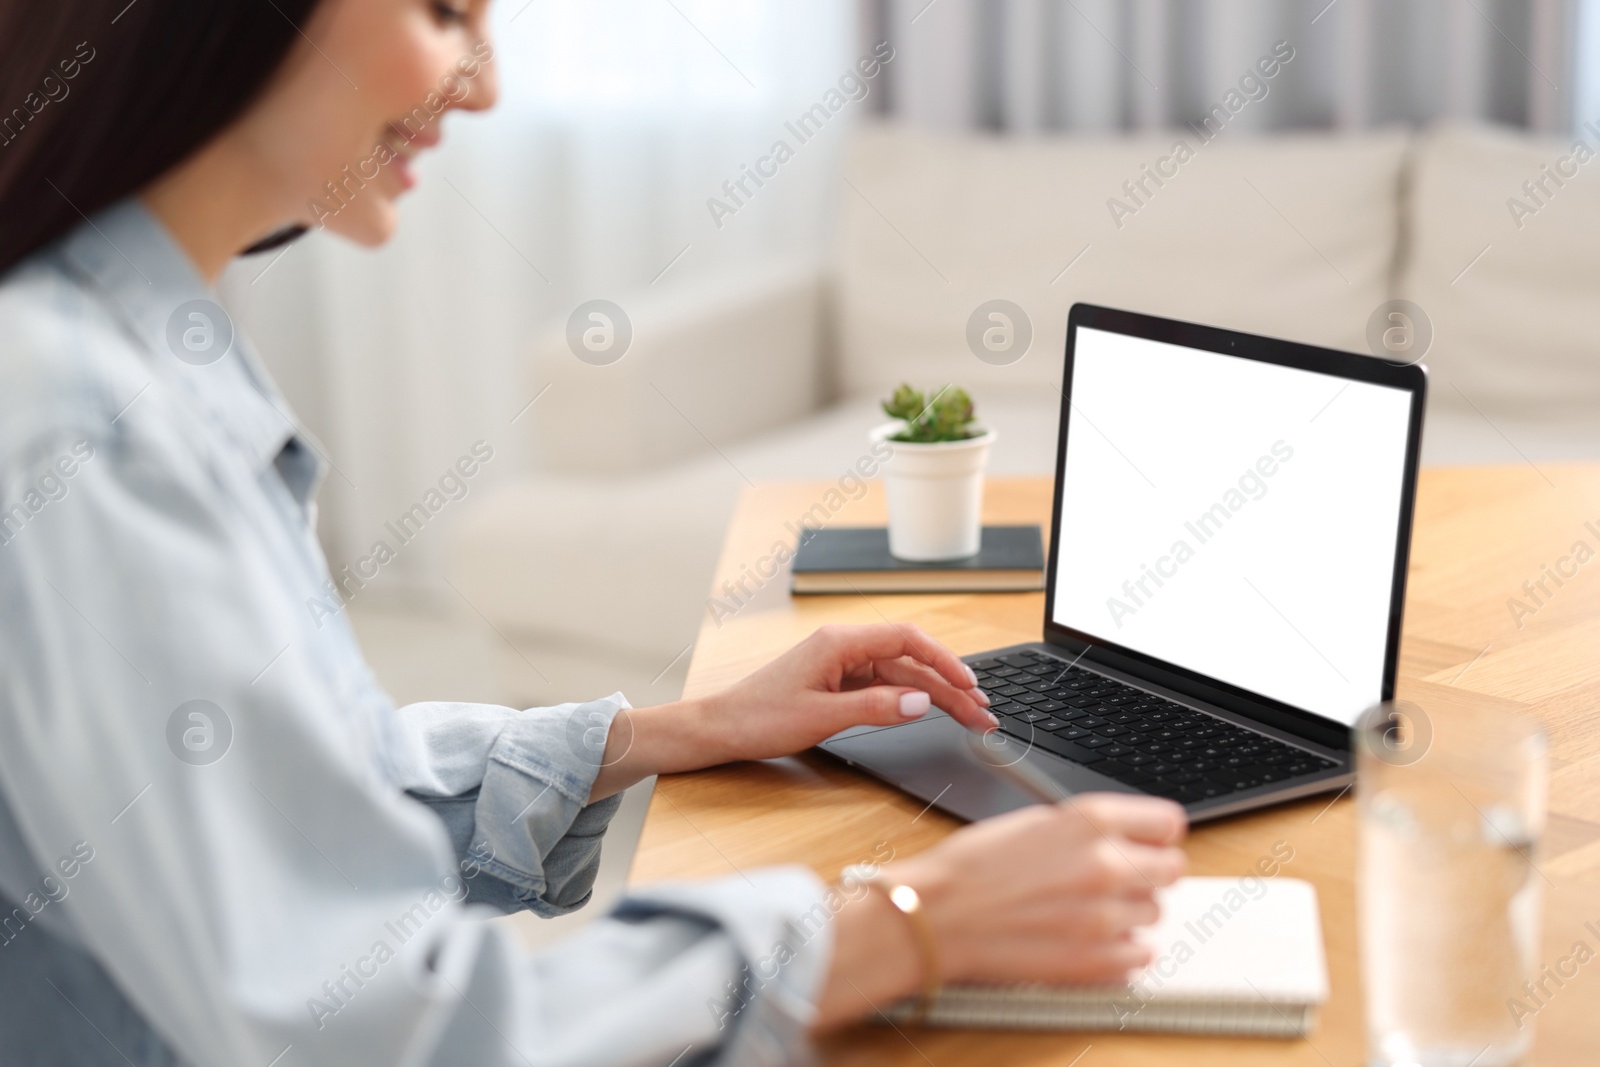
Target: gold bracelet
[908,903]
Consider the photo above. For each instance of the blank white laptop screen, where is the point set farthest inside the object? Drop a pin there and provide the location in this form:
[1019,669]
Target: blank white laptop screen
[1235,518]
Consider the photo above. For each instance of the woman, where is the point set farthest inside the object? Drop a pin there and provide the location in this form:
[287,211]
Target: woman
[220,842]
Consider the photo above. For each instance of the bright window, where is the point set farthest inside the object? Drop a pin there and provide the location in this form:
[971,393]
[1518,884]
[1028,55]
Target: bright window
[669,55]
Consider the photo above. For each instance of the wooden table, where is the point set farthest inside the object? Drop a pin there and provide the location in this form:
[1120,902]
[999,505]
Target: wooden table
[1480,534]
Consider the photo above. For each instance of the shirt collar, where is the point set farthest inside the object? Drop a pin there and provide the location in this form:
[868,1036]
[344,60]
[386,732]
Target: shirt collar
[131,258]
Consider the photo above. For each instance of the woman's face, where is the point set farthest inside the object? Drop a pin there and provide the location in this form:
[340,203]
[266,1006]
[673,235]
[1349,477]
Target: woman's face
[364,89]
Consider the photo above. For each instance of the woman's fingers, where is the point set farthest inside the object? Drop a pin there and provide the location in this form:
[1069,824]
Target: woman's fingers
[962,705]
[1060,960]
[875,705]
[1084,843]
[1122,866]
[1053,893]
[1152,820]
[1114,917]
[1091,917]
[1094,963]
[885,641]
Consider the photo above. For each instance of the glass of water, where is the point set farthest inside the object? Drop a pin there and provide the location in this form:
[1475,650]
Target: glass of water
[1451,808]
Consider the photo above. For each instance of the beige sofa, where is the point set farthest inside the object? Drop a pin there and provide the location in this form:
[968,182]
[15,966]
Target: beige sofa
[597,568]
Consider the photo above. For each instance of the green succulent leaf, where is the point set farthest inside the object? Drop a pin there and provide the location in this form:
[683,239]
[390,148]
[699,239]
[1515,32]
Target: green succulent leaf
[906,403]
[946,416]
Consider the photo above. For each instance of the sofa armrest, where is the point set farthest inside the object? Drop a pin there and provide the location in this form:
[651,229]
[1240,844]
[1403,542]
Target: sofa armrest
[710,363]
[616,566]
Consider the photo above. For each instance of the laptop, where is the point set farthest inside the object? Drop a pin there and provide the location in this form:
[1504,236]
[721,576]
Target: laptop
[1227,568]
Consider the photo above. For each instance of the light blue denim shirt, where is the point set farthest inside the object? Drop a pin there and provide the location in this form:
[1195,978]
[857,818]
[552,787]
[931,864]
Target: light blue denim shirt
[220,841]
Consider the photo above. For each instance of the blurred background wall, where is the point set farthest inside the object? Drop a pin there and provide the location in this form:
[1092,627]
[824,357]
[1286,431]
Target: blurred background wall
[1023,66]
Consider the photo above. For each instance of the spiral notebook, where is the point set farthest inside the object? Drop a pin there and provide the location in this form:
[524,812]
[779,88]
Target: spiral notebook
[1235,956]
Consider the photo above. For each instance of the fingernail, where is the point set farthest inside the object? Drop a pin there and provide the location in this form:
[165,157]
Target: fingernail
[981,697]
[914,704]
[972,677]
[994,720]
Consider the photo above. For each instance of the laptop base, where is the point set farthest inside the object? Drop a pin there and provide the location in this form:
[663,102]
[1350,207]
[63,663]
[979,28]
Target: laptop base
[934,758]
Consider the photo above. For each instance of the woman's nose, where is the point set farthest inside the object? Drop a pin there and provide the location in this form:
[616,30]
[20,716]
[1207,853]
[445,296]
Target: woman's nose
[485,87]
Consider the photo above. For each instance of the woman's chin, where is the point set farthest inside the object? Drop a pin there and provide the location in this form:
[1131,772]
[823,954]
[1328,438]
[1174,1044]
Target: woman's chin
[370,221]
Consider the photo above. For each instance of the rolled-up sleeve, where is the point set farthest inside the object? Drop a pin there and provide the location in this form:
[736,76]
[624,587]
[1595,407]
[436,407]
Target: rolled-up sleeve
[512,788]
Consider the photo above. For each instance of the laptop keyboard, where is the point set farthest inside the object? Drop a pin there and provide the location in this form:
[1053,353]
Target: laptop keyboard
[1130,735]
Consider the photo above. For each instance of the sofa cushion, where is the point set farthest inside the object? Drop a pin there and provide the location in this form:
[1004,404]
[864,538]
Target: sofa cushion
[720,358]
[625,563]
[616,563]
[1293,237]
[1507,290]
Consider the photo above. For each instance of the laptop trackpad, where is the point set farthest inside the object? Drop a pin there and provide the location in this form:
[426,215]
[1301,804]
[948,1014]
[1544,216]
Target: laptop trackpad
[933,758]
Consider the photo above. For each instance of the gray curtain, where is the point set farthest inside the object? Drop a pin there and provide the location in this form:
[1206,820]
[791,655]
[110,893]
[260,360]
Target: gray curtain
[1111,65]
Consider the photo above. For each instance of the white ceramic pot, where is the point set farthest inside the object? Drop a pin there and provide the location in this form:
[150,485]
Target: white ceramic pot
[935,495]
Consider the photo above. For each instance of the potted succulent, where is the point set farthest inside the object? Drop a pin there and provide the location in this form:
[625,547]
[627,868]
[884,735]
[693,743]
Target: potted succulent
[934,474]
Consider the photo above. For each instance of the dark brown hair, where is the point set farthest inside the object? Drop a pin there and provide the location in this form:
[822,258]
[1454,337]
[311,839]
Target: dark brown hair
[98,97]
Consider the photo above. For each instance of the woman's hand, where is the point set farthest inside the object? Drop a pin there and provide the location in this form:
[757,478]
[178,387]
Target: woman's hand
[840,676]
[1050,894]
[843,676]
